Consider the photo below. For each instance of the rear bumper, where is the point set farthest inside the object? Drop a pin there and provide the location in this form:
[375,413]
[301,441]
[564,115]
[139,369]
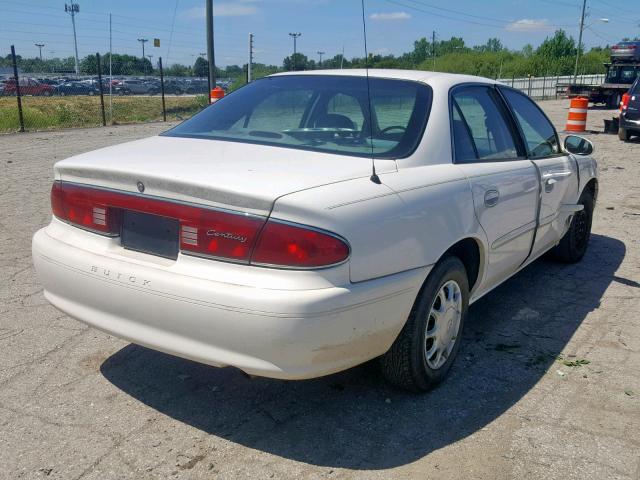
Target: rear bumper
[279,333]
[629,124]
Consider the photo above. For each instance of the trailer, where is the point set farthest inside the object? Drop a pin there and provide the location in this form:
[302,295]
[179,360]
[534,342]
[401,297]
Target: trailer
[619,78]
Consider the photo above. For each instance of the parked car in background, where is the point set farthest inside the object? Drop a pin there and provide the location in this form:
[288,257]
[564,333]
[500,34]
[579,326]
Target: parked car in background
[195,86]
[28,86]
[174,87]
[314,221]
[137,87]
[77,88]
[626,51]
[629,120]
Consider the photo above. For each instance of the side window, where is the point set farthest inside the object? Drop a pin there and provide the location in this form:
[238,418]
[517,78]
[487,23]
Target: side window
[465,150]
[539,135]
[491,136]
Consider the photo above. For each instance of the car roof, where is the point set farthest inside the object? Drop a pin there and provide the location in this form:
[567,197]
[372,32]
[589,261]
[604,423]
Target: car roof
[440,79]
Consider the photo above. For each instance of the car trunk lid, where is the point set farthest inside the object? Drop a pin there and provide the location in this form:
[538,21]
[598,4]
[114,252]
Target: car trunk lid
[230,175]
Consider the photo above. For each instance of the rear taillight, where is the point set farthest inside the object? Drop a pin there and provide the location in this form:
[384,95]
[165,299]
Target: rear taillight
[293,246]
[625,102]
[204,231]
[219,234]
[78,206]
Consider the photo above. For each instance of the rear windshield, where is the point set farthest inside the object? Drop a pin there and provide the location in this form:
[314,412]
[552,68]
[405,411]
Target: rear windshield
[321,113]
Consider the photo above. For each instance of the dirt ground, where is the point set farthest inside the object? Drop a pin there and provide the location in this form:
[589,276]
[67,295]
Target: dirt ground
[521,401]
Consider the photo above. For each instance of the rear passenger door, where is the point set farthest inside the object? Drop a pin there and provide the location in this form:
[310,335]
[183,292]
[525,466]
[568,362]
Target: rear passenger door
[504,182]
[558,171]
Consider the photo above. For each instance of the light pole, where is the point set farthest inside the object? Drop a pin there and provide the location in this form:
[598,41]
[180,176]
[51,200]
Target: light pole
[144,65]
[39,45]
[295,50]
[320,59]
[72,10]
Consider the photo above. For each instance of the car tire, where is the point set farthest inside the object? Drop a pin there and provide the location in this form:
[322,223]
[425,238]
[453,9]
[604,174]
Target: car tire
[409,364]
[624,134]
[62,94]
[91,93]
[574,244]
[46,93]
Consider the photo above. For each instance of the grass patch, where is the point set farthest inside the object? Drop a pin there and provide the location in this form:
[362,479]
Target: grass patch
[49,113]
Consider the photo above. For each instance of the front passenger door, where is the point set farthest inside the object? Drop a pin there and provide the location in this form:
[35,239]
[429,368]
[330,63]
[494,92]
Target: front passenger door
[558,171]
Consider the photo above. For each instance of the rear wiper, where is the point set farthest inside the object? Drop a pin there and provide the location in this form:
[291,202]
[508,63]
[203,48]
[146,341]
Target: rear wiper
[262,133]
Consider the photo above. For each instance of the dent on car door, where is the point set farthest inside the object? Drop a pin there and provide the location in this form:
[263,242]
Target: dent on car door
[558,171]
[504,184]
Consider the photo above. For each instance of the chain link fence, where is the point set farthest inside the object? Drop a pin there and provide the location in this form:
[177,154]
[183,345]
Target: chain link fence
[53,100]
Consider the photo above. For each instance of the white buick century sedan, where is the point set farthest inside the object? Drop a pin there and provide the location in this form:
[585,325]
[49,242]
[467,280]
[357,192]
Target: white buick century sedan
[310,222]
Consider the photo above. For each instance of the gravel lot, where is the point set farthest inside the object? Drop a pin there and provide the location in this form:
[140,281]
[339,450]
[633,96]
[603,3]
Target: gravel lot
[77,403]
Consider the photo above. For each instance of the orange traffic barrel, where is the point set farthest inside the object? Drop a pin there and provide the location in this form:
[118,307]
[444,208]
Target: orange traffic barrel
[216,94]
[577,120]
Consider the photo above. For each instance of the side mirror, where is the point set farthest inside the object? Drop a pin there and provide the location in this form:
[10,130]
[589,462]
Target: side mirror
[578,145]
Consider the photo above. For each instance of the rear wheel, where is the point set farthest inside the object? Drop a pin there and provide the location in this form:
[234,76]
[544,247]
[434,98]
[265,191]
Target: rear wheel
[574,244]
[425,349]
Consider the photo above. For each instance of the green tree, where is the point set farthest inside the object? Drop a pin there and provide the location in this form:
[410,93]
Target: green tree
[201,67]
[558,46]
[301,62]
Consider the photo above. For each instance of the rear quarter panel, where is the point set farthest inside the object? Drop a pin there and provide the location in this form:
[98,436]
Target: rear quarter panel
[407,222]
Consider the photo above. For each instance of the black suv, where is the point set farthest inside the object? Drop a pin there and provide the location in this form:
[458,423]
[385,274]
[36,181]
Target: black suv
[630,114]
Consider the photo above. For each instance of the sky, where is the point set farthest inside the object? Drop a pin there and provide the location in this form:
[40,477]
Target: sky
[326,25]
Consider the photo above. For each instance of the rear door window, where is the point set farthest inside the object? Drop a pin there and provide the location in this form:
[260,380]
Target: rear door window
[539,134]
[477,113]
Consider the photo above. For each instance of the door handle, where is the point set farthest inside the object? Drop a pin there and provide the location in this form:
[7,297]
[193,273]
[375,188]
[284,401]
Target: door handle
[547,177]
[551,178]
[491,197]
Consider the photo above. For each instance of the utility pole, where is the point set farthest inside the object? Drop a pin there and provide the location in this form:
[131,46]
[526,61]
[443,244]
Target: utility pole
[144,65]
[433,48]
[320,55]
[250,63]
[72,10]
[575,71]
[210,49]
[295,49]
[39,45]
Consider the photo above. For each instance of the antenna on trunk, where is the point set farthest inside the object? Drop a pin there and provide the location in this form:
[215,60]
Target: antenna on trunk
[374,176]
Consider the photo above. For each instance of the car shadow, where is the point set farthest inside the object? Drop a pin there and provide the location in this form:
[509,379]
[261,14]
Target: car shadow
[354,419]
